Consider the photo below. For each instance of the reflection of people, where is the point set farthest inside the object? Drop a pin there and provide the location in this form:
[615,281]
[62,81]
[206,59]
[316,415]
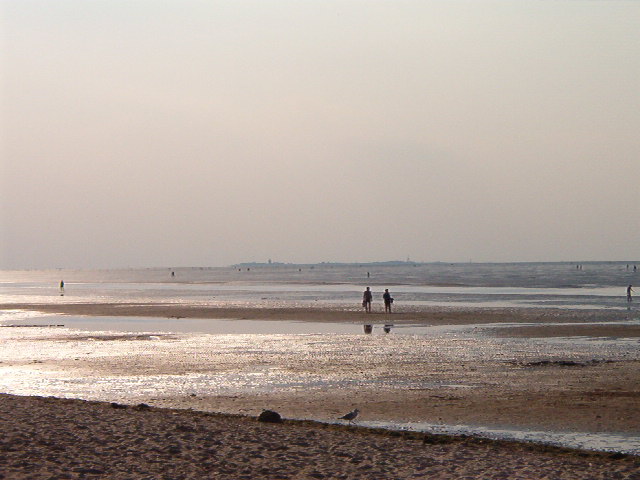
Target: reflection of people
[386,296]
[629,290]
[366,300]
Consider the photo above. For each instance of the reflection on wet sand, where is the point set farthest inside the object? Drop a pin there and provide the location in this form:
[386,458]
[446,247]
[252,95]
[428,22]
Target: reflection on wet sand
[446,374]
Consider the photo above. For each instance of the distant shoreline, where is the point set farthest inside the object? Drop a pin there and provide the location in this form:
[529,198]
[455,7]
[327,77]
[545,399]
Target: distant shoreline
[381,263]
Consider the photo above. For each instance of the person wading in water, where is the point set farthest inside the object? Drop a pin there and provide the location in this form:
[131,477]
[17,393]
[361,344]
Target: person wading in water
[366,300]
[386,296]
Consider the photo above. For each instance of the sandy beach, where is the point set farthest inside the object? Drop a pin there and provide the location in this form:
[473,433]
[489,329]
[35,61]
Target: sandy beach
[46,438]
[593,395]
[407,228]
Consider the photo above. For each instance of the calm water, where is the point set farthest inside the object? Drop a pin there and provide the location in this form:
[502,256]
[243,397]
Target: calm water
[599,285]
[255,356]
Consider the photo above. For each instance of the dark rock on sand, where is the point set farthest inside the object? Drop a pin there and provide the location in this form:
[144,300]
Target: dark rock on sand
[270,416]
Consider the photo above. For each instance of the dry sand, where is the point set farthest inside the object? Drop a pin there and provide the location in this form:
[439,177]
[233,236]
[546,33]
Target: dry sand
[46,438]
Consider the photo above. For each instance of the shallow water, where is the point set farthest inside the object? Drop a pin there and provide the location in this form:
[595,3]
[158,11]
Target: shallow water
[599,285]
[135,359]
[294,295]
[587,441]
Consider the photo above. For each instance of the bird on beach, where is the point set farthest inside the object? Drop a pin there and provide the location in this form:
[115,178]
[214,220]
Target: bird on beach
[351,416]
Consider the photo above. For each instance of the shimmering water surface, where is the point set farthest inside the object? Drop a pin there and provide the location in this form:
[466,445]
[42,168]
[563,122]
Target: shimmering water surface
[587,441]
[133,359]
[129,359]
[559,285]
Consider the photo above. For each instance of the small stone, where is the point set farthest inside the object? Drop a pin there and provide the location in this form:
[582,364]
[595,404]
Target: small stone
[270,416]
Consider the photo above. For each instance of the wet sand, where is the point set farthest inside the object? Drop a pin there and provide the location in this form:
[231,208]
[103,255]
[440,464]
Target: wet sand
[592,331]
[591,395]
[46,438]
[402,315]
[599,398]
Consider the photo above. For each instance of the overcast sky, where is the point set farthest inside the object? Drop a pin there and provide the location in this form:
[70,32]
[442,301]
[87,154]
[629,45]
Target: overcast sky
[184,133]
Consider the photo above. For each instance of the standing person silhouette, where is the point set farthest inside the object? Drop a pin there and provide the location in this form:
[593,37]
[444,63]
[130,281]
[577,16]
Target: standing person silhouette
[629,290]
[366,300]
[386,296]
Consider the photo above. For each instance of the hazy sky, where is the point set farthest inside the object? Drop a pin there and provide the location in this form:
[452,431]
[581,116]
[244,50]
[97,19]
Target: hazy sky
[191,133]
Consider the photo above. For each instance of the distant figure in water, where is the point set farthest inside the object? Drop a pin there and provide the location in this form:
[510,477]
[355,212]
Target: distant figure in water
[368,274]
[629,290]
[386,296]
[61,288]
[173,274]
[367,296]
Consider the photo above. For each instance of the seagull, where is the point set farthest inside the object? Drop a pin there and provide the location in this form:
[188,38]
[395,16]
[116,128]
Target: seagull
[351,416]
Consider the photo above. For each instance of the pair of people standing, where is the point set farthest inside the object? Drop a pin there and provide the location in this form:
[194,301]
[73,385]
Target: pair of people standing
[367,297]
